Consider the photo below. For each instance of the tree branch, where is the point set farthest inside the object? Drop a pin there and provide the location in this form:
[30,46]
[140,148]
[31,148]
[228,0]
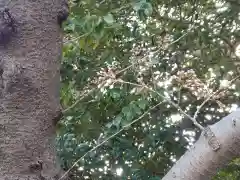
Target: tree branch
[107,139]
[201,161]
[168,100]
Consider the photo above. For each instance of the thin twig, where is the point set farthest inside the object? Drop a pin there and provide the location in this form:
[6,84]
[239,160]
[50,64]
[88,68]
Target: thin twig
[79,37]
[89,92]
[79,100]
[168,100]
[126,68]
[107,139]
[210,96]
[203,103]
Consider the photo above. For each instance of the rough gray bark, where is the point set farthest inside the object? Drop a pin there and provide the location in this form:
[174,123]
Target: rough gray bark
[201,162]
[29,92]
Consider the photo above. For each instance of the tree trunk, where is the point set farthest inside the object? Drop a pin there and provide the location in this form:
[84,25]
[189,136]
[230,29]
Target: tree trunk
[211,152]
[29,92]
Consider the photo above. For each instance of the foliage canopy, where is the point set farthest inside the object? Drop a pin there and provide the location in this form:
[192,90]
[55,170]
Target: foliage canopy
[131,69]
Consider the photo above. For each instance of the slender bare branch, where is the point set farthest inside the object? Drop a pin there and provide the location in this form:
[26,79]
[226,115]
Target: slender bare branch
[168,100]
[210,96]
[107,139]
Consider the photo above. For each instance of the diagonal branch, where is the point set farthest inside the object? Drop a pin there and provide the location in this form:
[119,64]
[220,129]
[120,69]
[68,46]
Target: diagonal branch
[166,99]
[107,139]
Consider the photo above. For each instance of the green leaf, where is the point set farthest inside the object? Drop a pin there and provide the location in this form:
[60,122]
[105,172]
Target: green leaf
[135,109]
[147,9]
[138,5]
[142,103]
[125,110]
[109,18]
[117,121]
